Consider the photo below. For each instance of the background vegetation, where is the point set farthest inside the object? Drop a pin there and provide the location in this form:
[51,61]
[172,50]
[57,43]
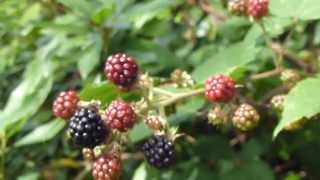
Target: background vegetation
[51,45]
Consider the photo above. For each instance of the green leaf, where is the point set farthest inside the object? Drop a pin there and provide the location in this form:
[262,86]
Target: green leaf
[226,60]
[25,100]
[139,132]
[140,172]
[187,111]
[141,13]
[301,102]
[301,9]
[104,92]
[251,170]
[102,14]
[80,7]
[153,57]
[90,55]
[42,133]
[274,27]
[29,176]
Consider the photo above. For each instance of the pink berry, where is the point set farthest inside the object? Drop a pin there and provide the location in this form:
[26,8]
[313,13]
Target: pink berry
[258,8]
[220,88]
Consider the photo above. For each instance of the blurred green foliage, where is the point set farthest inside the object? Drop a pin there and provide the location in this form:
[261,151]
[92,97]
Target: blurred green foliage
[51,45]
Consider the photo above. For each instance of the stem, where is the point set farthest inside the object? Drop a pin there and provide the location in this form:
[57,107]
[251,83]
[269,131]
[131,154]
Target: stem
[207,8]
[2,156]
[83,173]
[181,96]
[277,48]
[266,74]
[162,91]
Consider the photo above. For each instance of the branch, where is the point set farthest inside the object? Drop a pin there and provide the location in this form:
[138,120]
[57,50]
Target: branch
[181,96]
[209,9]
[292,57]
[267,74]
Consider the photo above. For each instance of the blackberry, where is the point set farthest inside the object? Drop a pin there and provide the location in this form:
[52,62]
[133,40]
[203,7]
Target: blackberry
[120,115]
[277,102]
[107,167]
[258,8]
[87,129]
[159,152]
[245,117]
[217,116]
[155,122]
[122,70]
[65,104]
[220,88]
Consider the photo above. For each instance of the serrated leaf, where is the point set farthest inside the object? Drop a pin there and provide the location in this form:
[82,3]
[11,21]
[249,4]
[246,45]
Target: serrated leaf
[42,133]
[301,102]
[301,9]
[225,60]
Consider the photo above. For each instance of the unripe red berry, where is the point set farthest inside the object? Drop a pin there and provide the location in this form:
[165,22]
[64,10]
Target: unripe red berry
[122,70]
[220,88]
[258,8]
[120,115]
[107,167]
[65,105]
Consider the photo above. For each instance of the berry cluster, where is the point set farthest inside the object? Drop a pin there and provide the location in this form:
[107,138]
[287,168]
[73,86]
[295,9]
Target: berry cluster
[92,128]
[253,8]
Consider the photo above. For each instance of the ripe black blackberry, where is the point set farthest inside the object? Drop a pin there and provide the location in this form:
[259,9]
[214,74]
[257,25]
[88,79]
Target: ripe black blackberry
[159,152]
[86,128]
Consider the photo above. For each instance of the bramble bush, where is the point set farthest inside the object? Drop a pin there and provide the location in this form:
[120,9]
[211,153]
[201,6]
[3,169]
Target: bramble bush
[157,89]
